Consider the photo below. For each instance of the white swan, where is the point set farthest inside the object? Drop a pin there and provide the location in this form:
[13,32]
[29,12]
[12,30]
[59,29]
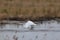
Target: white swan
[29,25]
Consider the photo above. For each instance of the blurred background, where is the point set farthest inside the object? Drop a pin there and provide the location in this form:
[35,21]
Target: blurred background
[29,9]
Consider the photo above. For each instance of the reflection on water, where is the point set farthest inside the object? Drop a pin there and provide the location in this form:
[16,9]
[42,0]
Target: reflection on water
[45,25]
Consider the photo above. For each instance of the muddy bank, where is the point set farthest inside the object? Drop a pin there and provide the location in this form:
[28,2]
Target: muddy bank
[32,19]
[24,18]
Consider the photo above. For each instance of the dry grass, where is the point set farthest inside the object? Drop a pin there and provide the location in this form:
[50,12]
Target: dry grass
[30,8]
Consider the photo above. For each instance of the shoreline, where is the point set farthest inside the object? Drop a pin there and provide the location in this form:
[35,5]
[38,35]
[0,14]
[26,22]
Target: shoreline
[32,19]
[18,21]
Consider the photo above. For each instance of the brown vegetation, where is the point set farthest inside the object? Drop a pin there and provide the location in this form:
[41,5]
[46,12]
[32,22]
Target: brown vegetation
[31,9]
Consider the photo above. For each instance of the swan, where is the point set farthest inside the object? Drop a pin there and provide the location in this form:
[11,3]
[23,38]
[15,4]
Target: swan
[29,25]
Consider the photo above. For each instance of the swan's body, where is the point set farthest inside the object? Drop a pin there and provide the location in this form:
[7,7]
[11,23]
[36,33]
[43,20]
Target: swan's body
[29,24]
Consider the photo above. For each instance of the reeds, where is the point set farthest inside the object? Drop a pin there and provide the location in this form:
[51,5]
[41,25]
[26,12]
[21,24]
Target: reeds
[32,9]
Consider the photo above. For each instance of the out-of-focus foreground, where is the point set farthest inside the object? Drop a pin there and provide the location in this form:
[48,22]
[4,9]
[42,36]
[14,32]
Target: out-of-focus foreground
[48,30]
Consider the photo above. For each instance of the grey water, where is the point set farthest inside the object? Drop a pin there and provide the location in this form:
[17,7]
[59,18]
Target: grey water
[51,25]
[48,30]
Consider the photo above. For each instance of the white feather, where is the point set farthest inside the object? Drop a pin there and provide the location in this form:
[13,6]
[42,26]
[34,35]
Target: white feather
[29,24]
